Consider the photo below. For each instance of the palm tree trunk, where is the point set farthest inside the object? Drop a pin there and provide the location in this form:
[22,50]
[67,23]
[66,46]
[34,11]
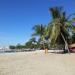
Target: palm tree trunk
[66,44]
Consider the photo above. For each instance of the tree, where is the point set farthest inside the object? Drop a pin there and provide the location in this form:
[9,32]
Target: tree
[30,43]
[12,47]
[39,30]
[33,42]
[59,28]
[73,38]
[19,46]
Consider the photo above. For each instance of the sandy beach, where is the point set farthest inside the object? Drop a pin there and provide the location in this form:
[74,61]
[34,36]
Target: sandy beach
[37,63]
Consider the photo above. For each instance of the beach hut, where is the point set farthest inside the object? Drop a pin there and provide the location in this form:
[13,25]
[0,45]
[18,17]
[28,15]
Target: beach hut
[72,47]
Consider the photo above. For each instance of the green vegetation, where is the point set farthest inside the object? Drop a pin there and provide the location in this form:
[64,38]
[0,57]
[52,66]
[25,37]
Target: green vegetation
[12,47]
[60,31]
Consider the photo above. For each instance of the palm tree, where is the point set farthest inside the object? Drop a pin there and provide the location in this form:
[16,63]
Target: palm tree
[33,40]
[39,30]
[59,28]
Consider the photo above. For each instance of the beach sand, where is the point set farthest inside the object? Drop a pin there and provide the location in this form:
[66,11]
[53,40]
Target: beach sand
[37,63]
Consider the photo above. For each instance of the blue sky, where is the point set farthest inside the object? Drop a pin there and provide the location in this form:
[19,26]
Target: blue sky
[17,17]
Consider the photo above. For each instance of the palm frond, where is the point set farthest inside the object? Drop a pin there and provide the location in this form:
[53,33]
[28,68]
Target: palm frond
[55,32]
[55,11]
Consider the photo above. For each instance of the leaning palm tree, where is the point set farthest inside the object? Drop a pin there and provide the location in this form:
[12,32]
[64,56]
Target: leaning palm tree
[39,30]
[60,27]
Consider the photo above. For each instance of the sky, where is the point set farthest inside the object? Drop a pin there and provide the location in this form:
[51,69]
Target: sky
[17,17]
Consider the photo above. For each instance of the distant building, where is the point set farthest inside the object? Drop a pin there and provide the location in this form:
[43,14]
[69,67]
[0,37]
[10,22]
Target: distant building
[3,49]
